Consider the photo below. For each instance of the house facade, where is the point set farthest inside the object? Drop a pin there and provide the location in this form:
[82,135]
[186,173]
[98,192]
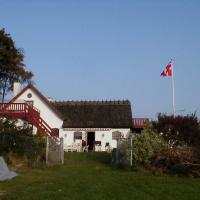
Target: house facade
[94,123]
[98,123]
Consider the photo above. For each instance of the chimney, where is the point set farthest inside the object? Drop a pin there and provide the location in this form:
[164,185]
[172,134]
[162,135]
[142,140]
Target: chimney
[16,88]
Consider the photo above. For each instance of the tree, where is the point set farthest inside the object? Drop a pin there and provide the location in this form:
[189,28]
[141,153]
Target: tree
[12,67]
[179,130]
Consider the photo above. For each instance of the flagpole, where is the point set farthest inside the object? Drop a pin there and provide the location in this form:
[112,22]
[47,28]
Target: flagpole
[173,89]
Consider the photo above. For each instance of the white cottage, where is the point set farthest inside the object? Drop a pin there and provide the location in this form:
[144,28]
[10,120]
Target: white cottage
[97,124]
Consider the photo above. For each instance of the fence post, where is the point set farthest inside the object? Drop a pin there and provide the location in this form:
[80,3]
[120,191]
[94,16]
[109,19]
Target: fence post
[47,149]
[61,151]
[131,155]
[117,149]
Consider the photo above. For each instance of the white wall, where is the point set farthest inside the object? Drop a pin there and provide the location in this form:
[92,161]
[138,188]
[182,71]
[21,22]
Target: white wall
[68,137]
[103,136]
[45,112]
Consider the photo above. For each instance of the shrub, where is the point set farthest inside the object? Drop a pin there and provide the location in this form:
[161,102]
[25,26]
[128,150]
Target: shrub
[177,160]
[146,145]
[21,142]
[179,130]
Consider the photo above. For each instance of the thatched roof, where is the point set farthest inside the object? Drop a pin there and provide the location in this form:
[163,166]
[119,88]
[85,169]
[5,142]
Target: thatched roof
[95,114]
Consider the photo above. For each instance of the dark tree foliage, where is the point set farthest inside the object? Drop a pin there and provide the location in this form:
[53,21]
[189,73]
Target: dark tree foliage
[11,136]
[179,130]
[11,64]
[21,141]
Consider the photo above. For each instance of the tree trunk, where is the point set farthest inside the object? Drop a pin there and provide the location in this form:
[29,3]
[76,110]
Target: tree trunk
[4,91]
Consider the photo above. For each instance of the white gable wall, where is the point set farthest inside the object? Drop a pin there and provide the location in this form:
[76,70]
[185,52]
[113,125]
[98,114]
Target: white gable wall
[46,113]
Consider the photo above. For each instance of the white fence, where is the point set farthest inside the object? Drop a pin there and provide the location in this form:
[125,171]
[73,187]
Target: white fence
[54,151]
[122,155]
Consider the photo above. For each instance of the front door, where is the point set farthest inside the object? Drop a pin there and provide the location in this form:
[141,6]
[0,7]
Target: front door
[90,140]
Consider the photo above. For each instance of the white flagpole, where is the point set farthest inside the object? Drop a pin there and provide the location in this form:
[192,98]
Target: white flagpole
[173,89]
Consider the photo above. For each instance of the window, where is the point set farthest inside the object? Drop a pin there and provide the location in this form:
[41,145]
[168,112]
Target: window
[77,136]
[116,135]
[29,95]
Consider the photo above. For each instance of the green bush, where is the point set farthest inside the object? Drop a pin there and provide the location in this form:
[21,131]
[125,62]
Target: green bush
[146,145]
[21,142]
[155,151]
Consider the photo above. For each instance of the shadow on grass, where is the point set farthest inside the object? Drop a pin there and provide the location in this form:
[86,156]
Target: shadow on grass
[98,157]
[106,159]
[101,157]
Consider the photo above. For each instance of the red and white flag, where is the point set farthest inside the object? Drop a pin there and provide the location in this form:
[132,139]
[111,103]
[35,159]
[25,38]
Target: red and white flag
[168,70]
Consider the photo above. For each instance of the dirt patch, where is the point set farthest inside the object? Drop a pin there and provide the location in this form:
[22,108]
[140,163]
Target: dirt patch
[2,193]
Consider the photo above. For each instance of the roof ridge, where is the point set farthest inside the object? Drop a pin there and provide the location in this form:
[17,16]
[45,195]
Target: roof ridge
[94,102]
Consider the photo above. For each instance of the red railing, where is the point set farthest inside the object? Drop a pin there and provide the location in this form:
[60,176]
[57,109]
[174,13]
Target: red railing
[140,122]
[26,112]
[6,107]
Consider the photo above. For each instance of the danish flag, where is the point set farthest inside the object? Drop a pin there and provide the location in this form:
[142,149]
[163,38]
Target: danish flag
[167,71]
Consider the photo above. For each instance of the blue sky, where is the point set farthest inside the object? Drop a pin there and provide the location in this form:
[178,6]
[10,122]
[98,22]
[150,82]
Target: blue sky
[110,49]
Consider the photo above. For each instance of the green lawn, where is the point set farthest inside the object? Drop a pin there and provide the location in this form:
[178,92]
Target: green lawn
[87,176]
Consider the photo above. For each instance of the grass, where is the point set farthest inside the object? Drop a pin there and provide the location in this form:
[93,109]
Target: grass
[89,176]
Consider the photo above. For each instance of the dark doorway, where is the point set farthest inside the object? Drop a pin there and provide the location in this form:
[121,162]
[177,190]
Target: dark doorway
[90,140]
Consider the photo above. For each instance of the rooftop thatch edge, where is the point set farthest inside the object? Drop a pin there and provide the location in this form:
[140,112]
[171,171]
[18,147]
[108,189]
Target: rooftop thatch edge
[96,114]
